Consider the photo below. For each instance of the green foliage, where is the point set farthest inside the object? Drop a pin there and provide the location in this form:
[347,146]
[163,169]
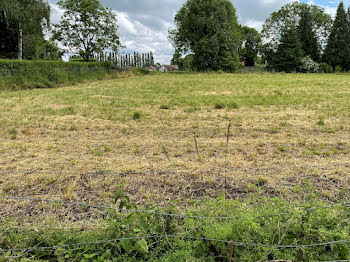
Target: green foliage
[308,36]
[251,45]
[33,16]
[289,53]
[136,116]
[142,71]
[337,52]
[325,68]
[254,222]
[36,74]
[209,30]
[51,51]
[290,16]
[86,28]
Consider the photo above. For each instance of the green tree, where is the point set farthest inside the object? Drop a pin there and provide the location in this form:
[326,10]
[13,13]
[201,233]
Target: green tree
[337,52]
[290,16]
[87,28]
[289,53]
[208,29]
[308,36]
[32,17]
[51,51]
[251,45]
[177,59]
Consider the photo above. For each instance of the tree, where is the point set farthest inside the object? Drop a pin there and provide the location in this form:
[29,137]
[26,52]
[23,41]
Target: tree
[208,29]
[308,37]
[251,45]
[289,53]
[31,18]
[290,16]
[87,28]
[51,51]
[337,52]
[177,59]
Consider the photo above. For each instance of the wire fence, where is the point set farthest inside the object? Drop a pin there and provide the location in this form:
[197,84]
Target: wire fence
[238,244]
[180,216]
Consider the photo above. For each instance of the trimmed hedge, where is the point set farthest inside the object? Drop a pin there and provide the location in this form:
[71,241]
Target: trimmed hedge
[15,74]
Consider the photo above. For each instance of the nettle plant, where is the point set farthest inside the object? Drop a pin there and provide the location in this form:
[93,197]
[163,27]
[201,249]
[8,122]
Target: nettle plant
[309,66]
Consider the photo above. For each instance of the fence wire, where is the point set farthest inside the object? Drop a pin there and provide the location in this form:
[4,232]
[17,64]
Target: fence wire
[194,238]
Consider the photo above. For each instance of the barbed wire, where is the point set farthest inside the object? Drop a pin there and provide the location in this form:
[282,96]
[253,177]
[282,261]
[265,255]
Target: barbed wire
[239,244]
[70,203]
[165,172]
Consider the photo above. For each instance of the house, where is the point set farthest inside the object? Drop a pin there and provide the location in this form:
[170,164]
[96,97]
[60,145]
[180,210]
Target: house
[168,68]
[162,69]
[152,68]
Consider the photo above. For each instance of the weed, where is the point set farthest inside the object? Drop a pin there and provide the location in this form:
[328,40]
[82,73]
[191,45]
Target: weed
[107,148]
[282,148]
[320,121]
[165,107]
[136,116]
[219,106]
[96,152]
[274,130]
[13,133]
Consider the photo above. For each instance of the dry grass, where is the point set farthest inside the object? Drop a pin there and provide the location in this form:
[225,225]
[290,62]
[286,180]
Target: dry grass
[277,120]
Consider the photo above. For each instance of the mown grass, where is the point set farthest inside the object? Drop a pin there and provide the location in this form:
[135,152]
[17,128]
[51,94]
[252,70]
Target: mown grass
[175,122]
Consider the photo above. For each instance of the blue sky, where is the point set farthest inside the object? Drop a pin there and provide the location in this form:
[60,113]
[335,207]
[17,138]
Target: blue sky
[144,24]
[326,3]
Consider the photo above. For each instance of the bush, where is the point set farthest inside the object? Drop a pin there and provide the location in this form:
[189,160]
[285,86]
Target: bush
[338,69]
[325,68]
[136,115]
[305,228]
[142,71]
[309,66]
[15,74]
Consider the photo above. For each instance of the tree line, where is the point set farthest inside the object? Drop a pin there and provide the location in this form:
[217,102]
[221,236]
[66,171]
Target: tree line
[297,38]
[207,36]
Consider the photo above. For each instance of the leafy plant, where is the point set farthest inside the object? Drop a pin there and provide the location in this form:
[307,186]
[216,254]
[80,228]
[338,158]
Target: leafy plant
[136,115]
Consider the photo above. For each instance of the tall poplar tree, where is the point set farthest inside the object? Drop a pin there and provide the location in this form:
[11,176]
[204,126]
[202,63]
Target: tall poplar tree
[337,52]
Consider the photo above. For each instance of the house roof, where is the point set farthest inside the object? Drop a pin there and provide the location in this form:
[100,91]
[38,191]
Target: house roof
[170,67]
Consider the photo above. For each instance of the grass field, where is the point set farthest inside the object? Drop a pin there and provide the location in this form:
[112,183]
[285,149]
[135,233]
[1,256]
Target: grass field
[274,128]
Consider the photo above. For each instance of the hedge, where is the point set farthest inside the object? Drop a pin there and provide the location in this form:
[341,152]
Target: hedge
[15,74]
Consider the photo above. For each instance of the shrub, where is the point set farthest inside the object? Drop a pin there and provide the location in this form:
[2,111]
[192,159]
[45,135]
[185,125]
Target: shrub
[309,66]
[142,71]
[325,68]
[338,69]
[136,115]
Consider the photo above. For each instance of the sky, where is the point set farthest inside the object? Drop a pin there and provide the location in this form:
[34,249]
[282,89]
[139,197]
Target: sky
[144,24]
